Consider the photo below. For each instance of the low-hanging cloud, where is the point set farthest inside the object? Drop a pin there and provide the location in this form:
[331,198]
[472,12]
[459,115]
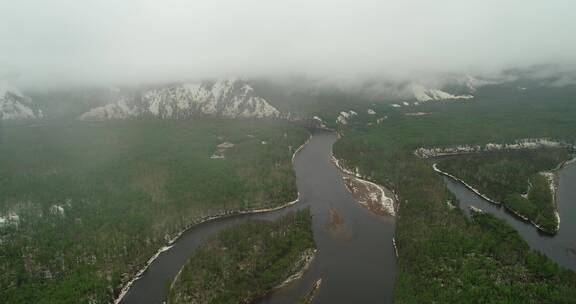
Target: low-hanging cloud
[91,41]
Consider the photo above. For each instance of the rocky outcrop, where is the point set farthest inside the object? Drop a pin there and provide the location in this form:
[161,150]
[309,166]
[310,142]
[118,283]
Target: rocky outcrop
[344,116]
[423,94]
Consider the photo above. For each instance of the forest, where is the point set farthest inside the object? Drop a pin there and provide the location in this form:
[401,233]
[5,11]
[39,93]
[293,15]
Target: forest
[450,258]
[90,203]
[245,261]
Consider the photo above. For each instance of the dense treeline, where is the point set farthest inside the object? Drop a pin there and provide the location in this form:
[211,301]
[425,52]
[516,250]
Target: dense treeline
[95,200]
[245,261]
[505,176]
[444,257]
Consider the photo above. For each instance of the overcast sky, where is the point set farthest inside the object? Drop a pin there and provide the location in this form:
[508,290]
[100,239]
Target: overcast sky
[163,40]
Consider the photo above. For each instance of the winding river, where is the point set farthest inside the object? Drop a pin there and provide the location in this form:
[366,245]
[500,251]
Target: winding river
[355,259]
[560,247]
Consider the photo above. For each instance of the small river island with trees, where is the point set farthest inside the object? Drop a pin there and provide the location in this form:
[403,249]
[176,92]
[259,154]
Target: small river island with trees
[246,261]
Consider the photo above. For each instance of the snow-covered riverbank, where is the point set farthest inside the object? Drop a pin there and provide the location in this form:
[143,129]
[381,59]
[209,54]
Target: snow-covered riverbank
[372,193]
[520,144]
[303,264]
[435,167]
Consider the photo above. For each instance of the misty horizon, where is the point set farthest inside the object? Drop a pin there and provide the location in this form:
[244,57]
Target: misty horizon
[96,42]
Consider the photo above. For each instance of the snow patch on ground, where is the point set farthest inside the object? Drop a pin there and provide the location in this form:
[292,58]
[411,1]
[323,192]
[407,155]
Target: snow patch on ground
[303,264]
[320,121]
[395,247]
[344,116]
[551,177]
[220,149]
[381,119]
[416,114]
[476,209]
[57,210]
[11,218]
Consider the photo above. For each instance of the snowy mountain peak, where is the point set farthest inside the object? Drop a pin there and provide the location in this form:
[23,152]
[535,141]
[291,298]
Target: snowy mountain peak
[229,98]
[424,94]
[14,105]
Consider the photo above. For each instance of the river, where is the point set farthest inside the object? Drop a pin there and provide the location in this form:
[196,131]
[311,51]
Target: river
[355,259]
[560,247]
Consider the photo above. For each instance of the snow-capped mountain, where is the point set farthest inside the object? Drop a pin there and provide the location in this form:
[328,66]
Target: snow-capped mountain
[224,98]
[15,105]
[423,94]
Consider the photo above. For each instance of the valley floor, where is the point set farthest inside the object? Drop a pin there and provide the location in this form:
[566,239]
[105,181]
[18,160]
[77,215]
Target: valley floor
[89,203]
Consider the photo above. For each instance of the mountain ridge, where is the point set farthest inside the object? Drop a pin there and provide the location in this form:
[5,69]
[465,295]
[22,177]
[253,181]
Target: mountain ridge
[228,98]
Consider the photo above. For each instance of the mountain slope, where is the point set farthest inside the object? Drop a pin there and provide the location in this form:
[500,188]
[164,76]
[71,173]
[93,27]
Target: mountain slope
[424,94]
[14,105]
[223,98]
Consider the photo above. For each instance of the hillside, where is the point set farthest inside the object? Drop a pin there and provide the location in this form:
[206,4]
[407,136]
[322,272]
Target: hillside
[14,105]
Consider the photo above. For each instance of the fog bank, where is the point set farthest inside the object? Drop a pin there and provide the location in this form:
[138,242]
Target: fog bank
[131,41]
